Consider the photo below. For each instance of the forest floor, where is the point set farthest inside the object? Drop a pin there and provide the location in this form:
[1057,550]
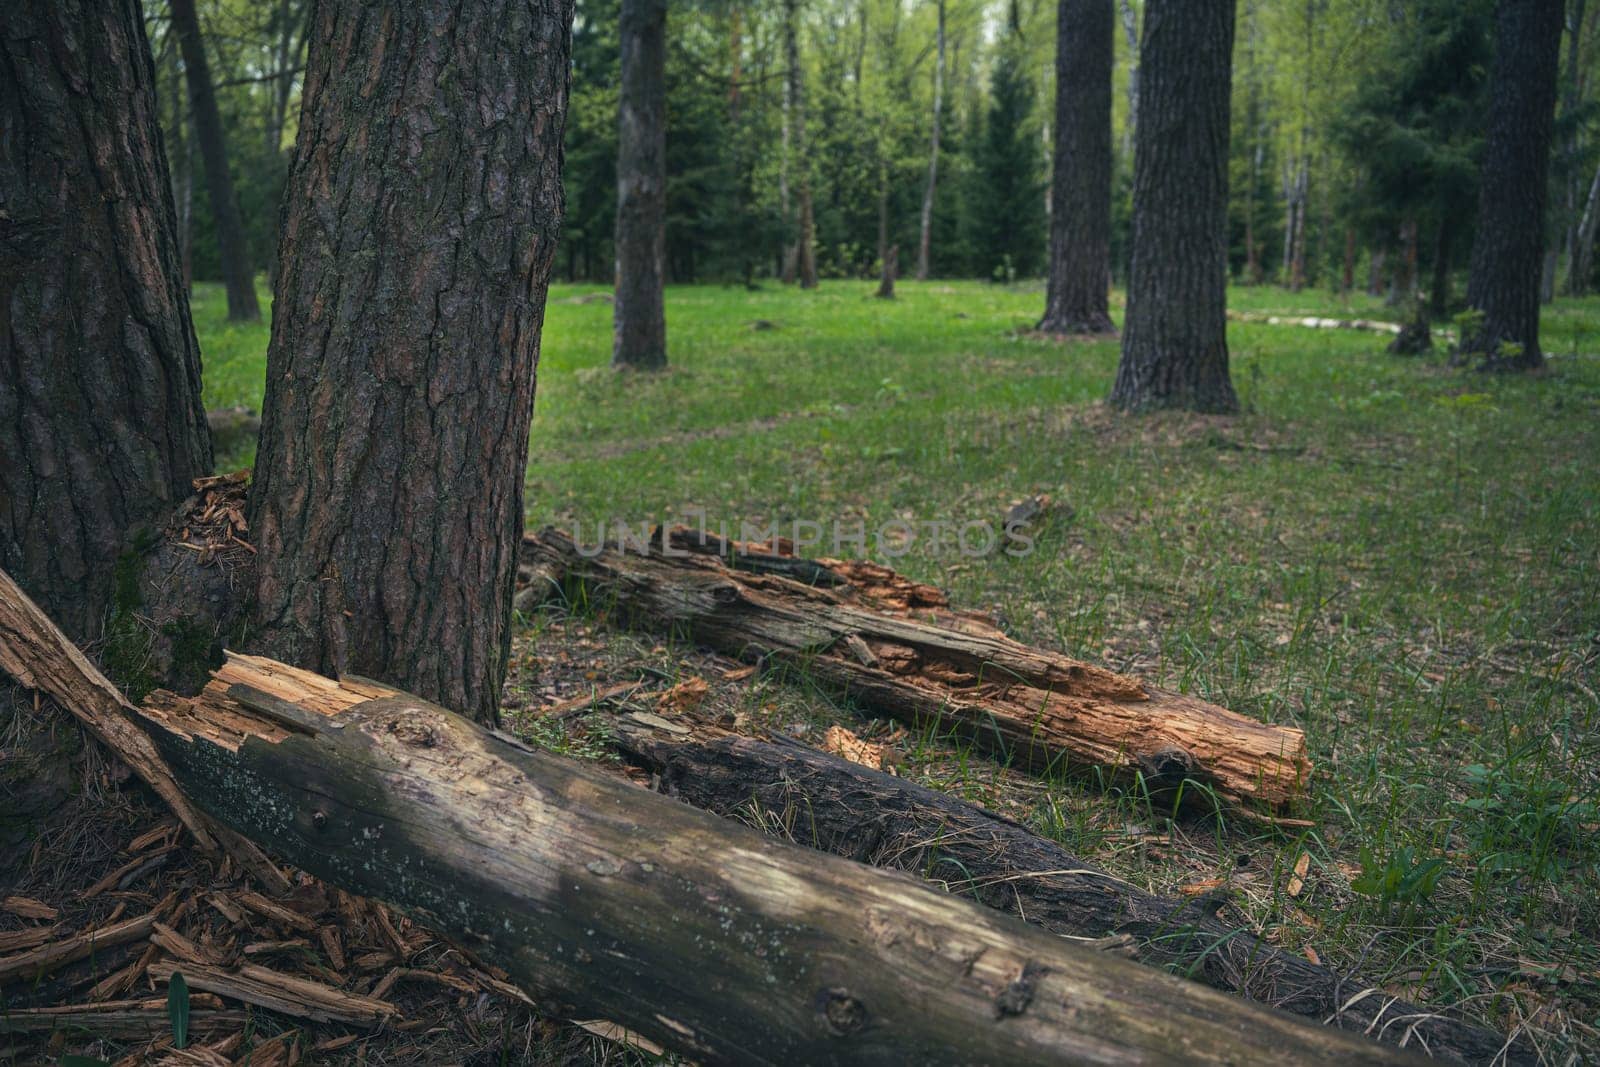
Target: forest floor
[1399,557]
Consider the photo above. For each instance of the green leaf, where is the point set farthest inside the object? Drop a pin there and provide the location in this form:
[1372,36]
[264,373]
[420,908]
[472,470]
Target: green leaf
[178,1010]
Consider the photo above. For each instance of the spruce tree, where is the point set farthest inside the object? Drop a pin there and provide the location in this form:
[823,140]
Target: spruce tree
[1009,214]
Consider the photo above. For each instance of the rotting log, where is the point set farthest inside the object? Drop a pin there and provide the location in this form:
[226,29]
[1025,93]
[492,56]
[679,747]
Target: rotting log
[831,804]
[897,648]
[601,898]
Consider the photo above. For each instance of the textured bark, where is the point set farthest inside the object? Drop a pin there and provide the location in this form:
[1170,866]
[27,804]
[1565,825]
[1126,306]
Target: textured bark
[925,239]
[601,898]
[896,647]
[891,266]
[1506,255]
[423,208]
[639,339]
[836,806]
[101,425]
[1076,300]
[1175,341]
[237,274]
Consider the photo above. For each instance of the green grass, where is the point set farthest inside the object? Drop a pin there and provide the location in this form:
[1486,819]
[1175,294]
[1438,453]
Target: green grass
[1401,558]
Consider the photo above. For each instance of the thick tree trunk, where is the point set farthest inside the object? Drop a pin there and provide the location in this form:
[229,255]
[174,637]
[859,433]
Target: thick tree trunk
[925,238]
[597,896]
[837,806]
[101,425]
[896,647]
[639,340]
[891,266]
[1175,338]
[1504,280]
[237,274]
[423,210]
[1076,300]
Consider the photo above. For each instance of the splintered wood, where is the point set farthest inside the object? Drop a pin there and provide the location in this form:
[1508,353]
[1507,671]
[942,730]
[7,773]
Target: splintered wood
[897,647]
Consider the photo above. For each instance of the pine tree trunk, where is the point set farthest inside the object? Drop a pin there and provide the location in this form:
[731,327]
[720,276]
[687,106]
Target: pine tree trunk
[1506,256]
[1174,342]
[1582,264]
[423,208]
[1080,186]
[101,426]
[805,254]
[639,316]
[237,274]
[1347,277]
[925,240]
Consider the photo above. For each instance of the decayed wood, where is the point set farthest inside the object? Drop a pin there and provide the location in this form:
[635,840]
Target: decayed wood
[35,653]
[603,899]
[829,803]
[286,993]
[128,1019]
[898,648]
[55,954]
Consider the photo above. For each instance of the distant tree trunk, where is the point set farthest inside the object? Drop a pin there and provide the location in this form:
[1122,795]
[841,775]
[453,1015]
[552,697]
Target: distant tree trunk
[1347,278]
[182,170]
[1080,186]
[1547,274]
[790,252]
[1504,281]
[1375,267]
[237,274]
[1572,99]
[387,502]
[925,240]
[639,339]
[1582,263]
[1439,297]
[1130,31]
[101,426]
[891,265]
[1404,285]
[805,254]
[1174,341]
[735,60]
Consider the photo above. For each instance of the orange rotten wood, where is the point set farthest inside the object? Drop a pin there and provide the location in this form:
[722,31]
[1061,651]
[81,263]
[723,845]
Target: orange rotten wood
[897,647]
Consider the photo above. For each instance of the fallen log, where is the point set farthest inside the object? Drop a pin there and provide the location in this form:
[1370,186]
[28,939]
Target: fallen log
[897,648]
[837,806]
[604,899]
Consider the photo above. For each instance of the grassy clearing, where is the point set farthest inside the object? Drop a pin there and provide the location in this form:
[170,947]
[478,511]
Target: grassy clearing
[1399,557]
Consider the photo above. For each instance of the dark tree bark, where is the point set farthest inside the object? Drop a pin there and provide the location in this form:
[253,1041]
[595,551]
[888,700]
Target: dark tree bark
[925,238]
[1080,185]
[639,317]
[236,272]
[101,426]
[1506,255]
[423,208]
[1175,343]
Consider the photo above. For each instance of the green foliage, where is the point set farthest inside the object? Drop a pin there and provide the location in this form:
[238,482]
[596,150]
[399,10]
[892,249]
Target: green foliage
[178,1009]
[1008,191]
[1402,877]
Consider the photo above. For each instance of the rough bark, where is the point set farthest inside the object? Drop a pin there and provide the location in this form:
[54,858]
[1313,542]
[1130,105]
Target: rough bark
[423,209]
[891,266]
[1076,300]
[1506,254]
[232,249]
[101,426]
[1174,342]
[833,805]
[639,340]
[925,238]
[597,896]
[896,647]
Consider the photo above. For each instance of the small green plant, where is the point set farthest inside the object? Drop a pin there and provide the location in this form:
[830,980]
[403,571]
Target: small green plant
[1523,821]
[178,1010]
[1402,878]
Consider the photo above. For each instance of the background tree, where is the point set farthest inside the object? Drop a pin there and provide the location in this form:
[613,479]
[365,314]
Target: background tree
[101,428]
[417,246]
[1175,340]
[236,269]
[926,234]
[804,233]
[1506,257]
[639,316]
[1076,299]
[1008,210]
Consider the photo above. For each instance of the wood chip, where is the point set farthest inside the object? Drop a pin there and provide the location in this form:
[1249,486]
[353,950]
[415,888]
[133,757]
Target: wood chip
[28,908]
[845,744]
[332,946]
[67,950]
[177,945]
[610,1031]
[286,993]
[1298,881]
[276,912]
[126,871]
[19,940]
[684,697]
